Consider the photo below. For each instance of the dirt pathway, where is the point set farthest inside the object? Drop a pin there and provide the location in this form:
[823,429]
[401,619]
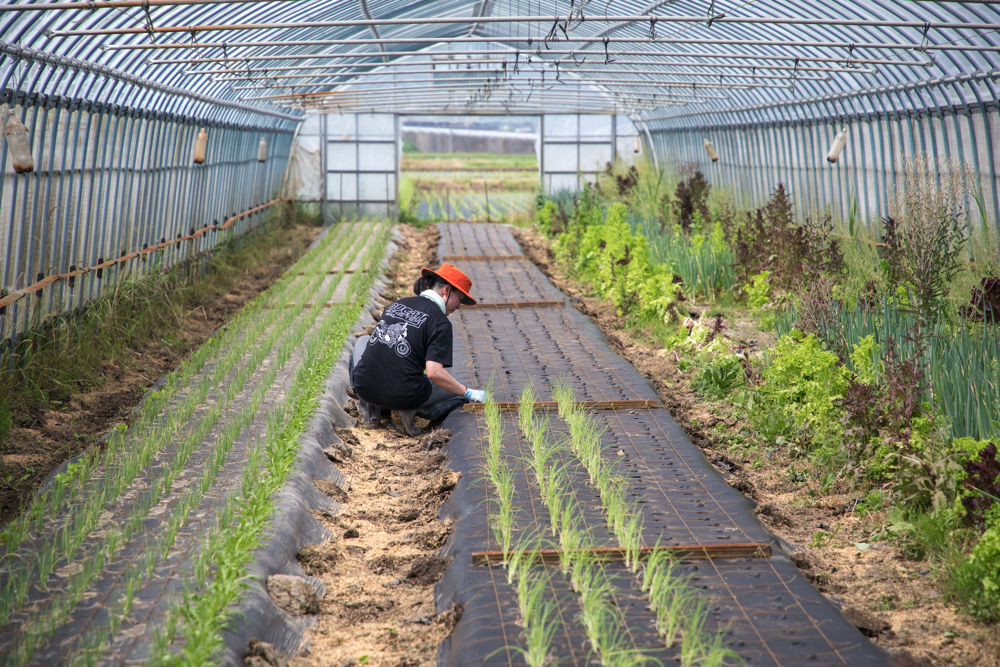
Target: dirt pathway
[380,567]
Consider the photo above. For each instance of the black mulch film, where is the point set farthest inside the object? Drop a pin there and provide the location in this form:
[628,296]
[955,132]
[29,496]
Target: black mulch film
[291,527]
[772,614]
[475,240]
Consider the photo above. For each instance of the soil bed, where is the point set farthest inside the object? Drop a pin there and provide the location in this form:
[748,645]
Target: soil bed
[47,437]
[895,601]
[380,568]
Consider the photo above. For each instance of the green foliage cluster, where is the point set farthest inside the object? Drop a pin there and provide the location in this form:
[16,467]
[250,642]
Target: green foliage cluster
[976,579]
[802,382]
[878,370]
[702,258]
[615,261]
[720,376]
[758,291]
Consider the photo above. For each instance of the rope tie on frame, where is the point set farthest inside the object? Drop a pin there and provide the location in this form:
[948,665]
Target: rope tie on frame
[149,20]
[923,41]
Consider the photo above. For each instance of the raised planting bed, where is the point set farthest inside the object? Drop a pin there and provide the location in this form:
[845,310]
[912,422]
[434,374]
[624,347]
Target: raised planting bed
[111,554]
[583,479]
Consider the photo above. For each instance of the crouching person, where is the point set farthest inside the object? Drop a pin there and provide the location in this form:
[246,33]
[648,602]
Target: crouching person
[403,365]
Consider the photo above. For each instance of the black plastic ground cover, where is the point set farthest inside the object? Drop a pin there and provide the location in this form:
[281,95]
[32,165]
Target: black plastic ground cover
[470,239]
[293,526]
[772,614]
[506,281]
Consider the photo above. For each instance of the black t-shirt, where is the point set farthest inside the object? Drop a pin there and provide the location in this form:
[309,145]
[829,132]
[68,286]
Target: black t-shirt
[410,332]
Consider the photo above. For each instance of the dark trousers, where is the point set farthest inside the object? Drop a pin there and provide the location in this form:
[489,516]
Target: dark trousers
[435,408]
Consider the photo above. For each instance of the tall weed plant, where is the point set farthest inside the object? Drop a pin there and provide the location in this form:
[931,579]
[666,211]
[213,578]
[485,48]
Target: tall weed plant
[961,361]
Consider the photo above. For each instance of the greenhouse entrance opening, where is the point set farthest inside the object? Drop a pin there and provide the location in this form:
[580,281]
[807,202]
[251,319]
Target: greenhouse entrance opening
[468,167]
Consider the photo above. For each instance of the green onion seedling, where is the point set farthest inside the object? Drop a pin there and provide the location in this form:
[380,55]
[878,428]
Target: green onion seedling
[526,411]
[538,636]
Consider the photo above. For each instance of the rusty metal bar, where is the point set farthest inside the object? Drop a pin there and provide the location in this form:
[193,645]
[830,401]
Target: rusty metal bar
[687,551]
[481,61]
[555,52]
[480,258]
[450,20]
[409,41]
[513,406]
[16,295]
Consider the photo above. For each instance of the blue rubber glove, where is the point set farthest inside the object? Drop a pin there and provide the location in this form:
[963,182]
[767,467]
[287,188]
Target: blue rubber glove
[474,395]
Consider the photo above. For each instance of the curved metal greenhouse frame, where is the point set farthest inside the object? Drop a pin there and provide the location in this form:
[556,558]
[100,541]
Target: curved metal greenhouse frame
[114,94]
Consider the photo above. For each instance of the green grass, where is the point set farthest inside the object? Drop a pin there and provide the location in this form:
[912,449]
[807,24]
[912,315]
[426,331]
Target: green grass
[468,161]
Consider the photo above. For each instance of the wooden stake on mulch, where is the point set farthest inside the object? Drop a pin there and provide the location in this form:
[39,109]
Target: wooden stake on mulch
[687,551]
[513,406]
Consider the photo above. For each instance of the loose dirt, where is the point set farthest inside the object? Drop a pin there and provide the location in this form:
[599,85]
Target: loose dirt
[34,450]
[895,600]
[381,565]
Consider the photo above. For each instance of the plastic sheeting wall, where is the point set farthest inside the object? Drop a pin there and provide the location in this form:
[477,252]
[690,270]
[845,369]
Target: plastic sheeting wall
[108,181]
[305,171]
[575,148]
[755,158]
[362,160]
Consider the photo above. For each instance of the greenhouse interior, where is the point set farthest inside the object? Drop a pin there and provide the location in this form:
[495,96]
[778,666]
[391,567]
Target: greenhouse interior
[293,295]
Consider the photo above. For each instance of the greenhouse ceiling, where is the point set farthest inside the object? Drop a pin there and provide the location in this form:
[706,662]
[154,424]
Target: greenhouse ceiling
[666,64]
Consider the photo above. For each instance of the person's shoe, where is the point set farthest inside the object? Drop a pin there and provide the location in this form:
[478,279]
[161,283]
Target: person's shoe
[409,425]
[371,415]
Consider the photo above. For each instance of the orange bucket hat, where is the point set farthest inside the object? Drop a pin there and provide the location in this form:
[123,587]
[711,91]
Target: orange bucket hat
[453,276]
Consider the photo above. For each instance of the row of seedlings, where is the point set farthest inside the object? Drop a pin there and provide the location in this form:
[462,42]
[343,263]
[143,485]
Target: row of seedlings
[222,446]
[221,566]
[602,619]
[217,457]
[90,485]
[91,562]
[681,609]
[101,478]
[69,484]
[538,614]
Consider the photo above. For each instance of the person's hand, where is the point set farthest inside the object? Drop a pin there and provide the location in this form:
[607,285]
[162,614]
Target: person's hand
[474,395]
